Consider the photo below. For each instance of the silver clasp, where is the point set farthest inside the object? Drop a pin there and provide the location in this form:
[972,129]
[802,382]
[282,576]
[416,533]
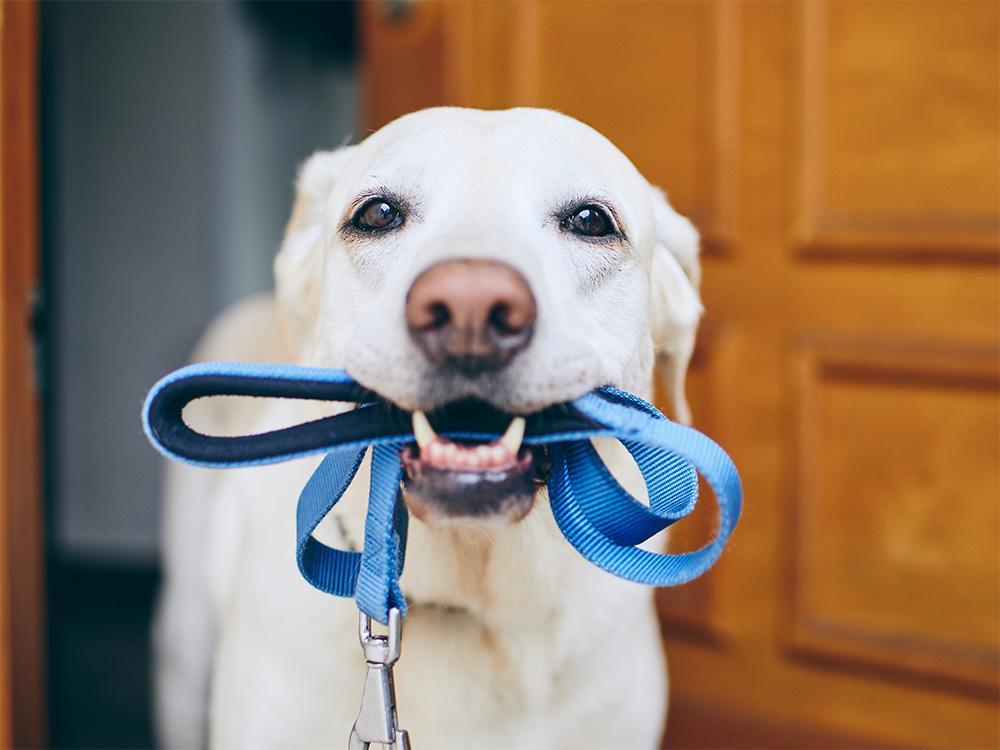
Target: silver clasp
[377,720]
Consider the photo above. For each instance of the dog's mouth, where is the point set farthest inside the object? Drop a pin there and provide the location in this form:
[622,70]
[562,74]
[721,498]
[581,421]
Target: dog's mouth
[464,480]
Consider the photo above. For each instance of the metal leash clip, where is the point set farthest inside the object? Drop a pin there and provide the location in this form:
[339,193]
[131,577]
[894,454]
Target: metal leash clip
[377,720]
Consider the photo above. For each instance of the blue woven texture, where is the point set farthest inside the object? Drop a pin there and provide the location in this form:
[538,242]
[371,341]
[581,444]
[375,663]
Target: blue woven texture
[597,516]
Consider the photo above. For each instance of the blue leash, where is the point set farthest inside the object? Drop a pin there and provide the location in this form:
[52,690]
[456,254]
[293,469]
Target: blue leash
[598,517]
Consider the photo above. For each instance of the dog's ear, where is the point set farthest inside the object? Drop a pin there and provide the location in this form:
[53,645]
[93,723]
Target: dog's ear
[675,305]
[298,267]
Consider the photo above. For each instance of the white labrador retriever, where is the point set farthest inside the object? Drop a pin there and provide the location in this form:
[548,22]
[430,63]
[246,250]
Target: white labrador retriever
[514,257]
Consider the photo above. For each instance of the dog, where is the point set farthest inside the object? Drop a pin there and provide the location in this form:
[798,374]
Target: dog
[516,258]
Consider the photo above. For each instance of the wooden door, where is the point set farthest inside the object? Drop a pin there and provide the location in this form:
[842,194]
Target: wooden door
[841,160]
[21,637]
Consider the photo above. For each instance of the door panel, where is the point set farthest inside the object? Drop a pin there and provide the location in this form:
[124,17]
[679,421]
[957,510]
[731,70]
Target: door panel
[892,511]
[899,118]
[842,162]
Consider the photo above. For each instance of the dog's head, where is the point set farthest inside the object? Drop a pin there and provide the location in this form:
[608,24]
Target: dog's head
[503,261]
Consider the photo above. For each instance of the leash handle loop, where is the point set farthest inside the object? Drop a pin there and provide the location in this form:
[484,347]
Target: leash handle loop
[639,422]
[598,517]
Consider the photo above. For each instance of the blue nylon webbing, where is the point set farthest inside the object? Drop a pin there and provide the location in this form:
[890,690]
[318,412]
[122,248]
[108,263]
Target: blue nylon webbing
[595,513]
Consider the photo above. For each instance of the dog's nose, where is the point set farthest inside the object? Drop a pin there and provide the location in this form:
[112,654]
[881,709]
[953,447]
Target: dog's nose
[471,314]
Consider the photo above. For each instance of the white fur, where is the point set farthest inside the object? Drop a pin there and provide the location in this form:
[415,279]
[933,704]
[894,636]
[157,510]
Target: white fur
[513,640]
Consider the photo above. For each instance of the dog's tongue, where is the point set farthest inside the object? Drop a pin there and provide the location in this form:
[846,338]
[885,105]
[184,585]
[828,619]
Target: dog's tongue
[441,453]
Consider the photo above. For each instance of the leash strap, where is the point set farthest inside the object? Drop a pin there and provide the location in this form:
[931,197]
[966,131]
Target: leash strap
[598,517]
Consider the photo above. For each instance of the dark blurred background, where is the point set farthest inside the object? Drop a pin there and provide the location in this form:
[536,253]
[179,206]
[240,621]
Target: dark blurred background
[171,136]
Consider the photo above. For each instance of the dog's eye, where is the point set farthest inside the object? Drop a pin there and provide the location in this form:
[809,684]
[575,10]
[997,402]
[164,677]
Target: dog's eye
[590,221]
[377,215]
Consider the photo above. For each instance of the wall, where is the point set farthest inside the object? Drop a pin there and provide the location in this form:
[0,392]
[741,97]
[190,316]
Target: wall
[172,132]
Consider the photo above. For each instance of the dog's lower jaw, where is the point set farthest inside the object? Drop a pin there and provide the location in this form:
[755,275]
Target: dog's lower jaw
[505,516]
[509,500]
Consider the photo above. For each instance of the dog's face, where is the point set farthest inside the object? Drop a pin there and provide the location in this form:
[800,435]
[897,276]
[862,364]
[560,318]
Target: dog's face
[503,261]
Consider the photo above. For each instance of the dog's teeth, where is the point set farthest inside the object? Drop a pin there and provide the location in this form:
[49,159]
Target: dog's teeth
[511,439]
[435,454]
[422,430]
